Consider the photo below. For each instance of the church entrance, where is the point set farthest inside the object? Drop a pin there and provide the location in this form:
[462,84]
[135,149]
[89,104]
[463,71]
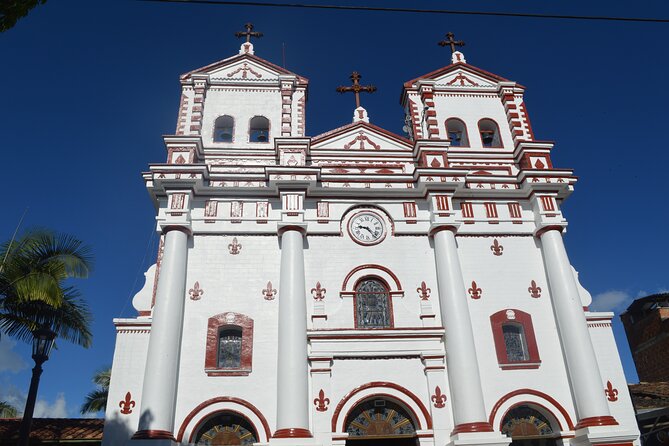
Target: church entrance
[226,429]
[528,427]
[380,422]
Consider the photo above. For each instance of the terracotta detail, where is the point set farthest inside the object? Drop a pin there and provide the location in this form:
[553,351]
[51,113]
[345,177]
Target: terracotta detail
[496,248]
[472,427]
[523,319]
[269,293]
[611,393]
[596,421]
[533,392]
[424,291]
[321,402]
[318,292]
[235,247]
[475,292]
[196,292]
[534,290]
[438,398]
[127,404]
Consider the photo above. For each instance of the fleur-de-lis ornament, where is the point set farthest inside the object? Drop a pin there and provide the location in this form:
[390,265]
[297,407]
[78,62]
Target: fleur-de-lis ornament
[496,248]
[423,291]
[475,292]
[318,292]
[534,290]
[321,402]
[610,392]
[438,398]
[235,247]
[269,293]
[127,404]
[196,292]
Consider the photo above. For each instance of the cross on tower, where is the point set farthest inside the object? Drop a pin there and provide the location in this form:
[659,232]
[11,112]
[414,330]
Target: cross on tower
[451,42]
[248,33]
[356,88]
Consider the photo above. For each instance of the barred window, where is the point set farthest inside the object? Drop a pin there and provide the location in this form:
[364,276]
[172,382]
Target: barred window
[230,348]
[372,304]
[515,343]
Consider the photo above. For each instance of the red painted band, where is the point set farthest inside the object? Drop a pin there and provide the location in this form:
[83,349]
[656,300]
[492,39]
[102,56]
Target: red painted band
[596,421]
[283,229]
[293,432]
[472,427]
[453,229]
[153,435]
[545,229]
[548,398]
[167,229]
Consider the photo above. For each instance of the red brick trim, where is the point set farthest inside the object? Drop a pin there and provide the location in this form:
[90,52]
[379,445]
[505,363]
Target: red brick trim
[224,399]
[214,326]
[472,427]
[606,420]
[523,319]
[153,435]
[536,393]
[545,229]
[372,266]
[381,384]
[293,432]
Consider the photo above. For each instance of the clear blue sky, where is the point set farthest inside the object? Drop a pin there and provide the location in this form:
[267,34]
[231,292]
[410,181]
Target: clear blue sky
[90,87]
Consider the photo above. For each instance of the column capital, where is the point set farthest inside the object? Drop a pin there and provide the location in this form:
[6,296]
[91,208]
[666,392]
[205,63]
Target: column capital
[282,227]
[166,227]
[438,227]
[543,229]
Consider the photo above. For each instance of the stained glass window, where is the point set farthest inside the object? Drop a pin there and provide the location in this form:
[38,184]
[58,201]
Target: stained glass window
[372,306]
[230,348]
[226,429]
[379,418]
[524,421]
[514,341]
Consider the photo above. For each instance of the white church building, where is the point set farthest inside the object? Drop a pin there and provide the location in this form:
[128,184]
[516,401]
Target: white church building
[358,287]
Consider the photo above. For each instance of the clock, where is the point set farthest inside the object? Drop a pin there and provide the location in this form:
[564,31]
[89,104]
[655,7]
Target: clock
[367,228]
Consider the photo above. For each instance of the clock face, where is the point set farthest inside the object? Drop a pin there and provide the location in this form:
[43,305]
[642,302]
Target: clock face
[367,228]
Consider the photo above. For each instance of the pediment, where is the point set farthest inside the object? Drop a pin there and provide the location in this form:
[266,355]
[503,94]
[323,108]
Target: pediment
[244,68]
[460,75]
[361,136]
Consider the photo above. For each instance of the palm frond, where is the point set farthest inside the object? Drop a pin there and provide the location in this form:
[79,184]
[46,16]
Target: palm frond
[95,401]
[7,410]
[103,377]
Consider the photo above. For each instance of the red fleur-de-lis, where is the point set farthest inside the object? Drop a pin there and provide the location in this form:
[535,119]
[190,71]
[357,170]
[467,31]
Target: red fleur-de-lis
[534,290]
[196,292]
[496,248]
[475,292]
[127,404]
[269,292]
[610,392]
[438,398]
[321,402]
[235,247]
[423,291]
[318,292]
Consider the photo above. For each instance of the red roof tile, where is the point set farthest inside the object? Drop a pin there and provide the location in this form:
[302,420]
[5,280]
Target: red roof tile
[46,429]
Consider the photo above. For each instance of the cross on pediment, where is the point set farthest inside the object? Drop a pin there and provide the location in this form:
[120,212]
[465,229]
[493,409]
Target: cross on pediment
[248,33]
[451,42]
[356,88]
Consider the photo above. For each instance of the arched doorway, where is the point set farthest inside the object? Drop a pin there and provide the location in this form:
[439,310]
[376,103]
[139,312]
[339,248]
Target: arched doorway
[226,428]
[380,422]
[528,427]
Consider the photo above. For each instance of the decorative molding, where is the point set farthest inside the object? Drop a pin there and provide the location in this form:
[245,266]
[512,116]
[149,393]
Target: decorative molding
[438,398]
[126,404]
[475,292]
[423,291]
[269,293]
[196,292]
[321,402]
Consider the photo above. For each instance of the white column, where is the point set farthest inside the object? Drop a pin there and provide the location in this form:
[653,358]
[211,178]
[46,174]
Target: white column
[583,370]
[469,413]
[162,363]
[292,379]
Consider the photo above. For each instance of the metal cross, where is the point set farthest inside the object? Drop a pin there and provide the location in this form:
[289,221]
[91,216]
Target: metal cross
[356,88]
[248,33]
[451,42]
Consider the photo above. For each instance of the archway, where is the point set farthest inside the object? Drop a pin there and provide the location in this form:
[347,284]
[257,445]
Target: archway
[226,428]
[380,422]
[527,426]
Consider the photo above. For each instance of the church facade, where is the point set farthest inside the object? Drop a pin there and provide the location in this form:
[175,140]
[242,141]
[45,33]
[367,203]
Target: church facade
[358,286]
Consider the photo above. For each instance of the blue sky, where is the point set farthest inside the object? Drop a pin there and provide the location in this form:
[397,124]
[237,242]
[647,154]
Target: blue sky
[90,87]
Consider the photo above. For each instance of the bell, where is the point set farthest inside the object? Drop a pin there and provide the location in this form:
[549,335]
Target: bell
[262,136]
[225,136]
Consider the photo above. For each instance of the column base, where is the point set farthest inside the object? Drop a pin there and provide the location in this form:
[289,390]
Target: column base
[604,435]
[293,437]
[477,434]
[153,438]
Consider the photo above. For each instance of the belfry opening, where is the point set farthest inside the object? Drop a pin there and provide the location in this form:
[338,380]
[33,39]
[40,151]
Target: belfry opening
[377,422]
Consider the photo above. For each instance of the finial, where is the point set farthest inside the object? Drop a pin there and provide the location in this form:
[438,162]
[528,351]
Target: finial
[456,56]
[247,47]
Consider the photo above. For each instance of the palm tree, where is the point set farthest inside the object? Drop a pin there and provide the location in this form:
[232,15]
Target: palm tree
[7,410]
[96,400]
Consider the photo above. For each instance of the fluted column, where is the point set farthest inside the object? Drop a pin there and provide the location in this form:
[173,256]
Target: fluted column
[292,379]
[156,420]
[463,370]
[583,370]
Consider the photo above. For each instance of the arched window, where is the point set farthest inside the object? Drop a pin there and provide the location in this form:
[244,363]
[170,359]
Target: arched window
[381,419]
[515,343]
[457,133]
[259,129]
[372,304]
[224,128]
[230,348]
[489,131]
[229,345]
[226,428]
[528,427]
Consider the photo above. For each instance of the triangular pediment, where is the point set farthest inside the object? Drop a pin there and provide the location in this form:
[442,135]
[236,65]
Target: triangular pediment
[361,136]
[243,68]
[460,75]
